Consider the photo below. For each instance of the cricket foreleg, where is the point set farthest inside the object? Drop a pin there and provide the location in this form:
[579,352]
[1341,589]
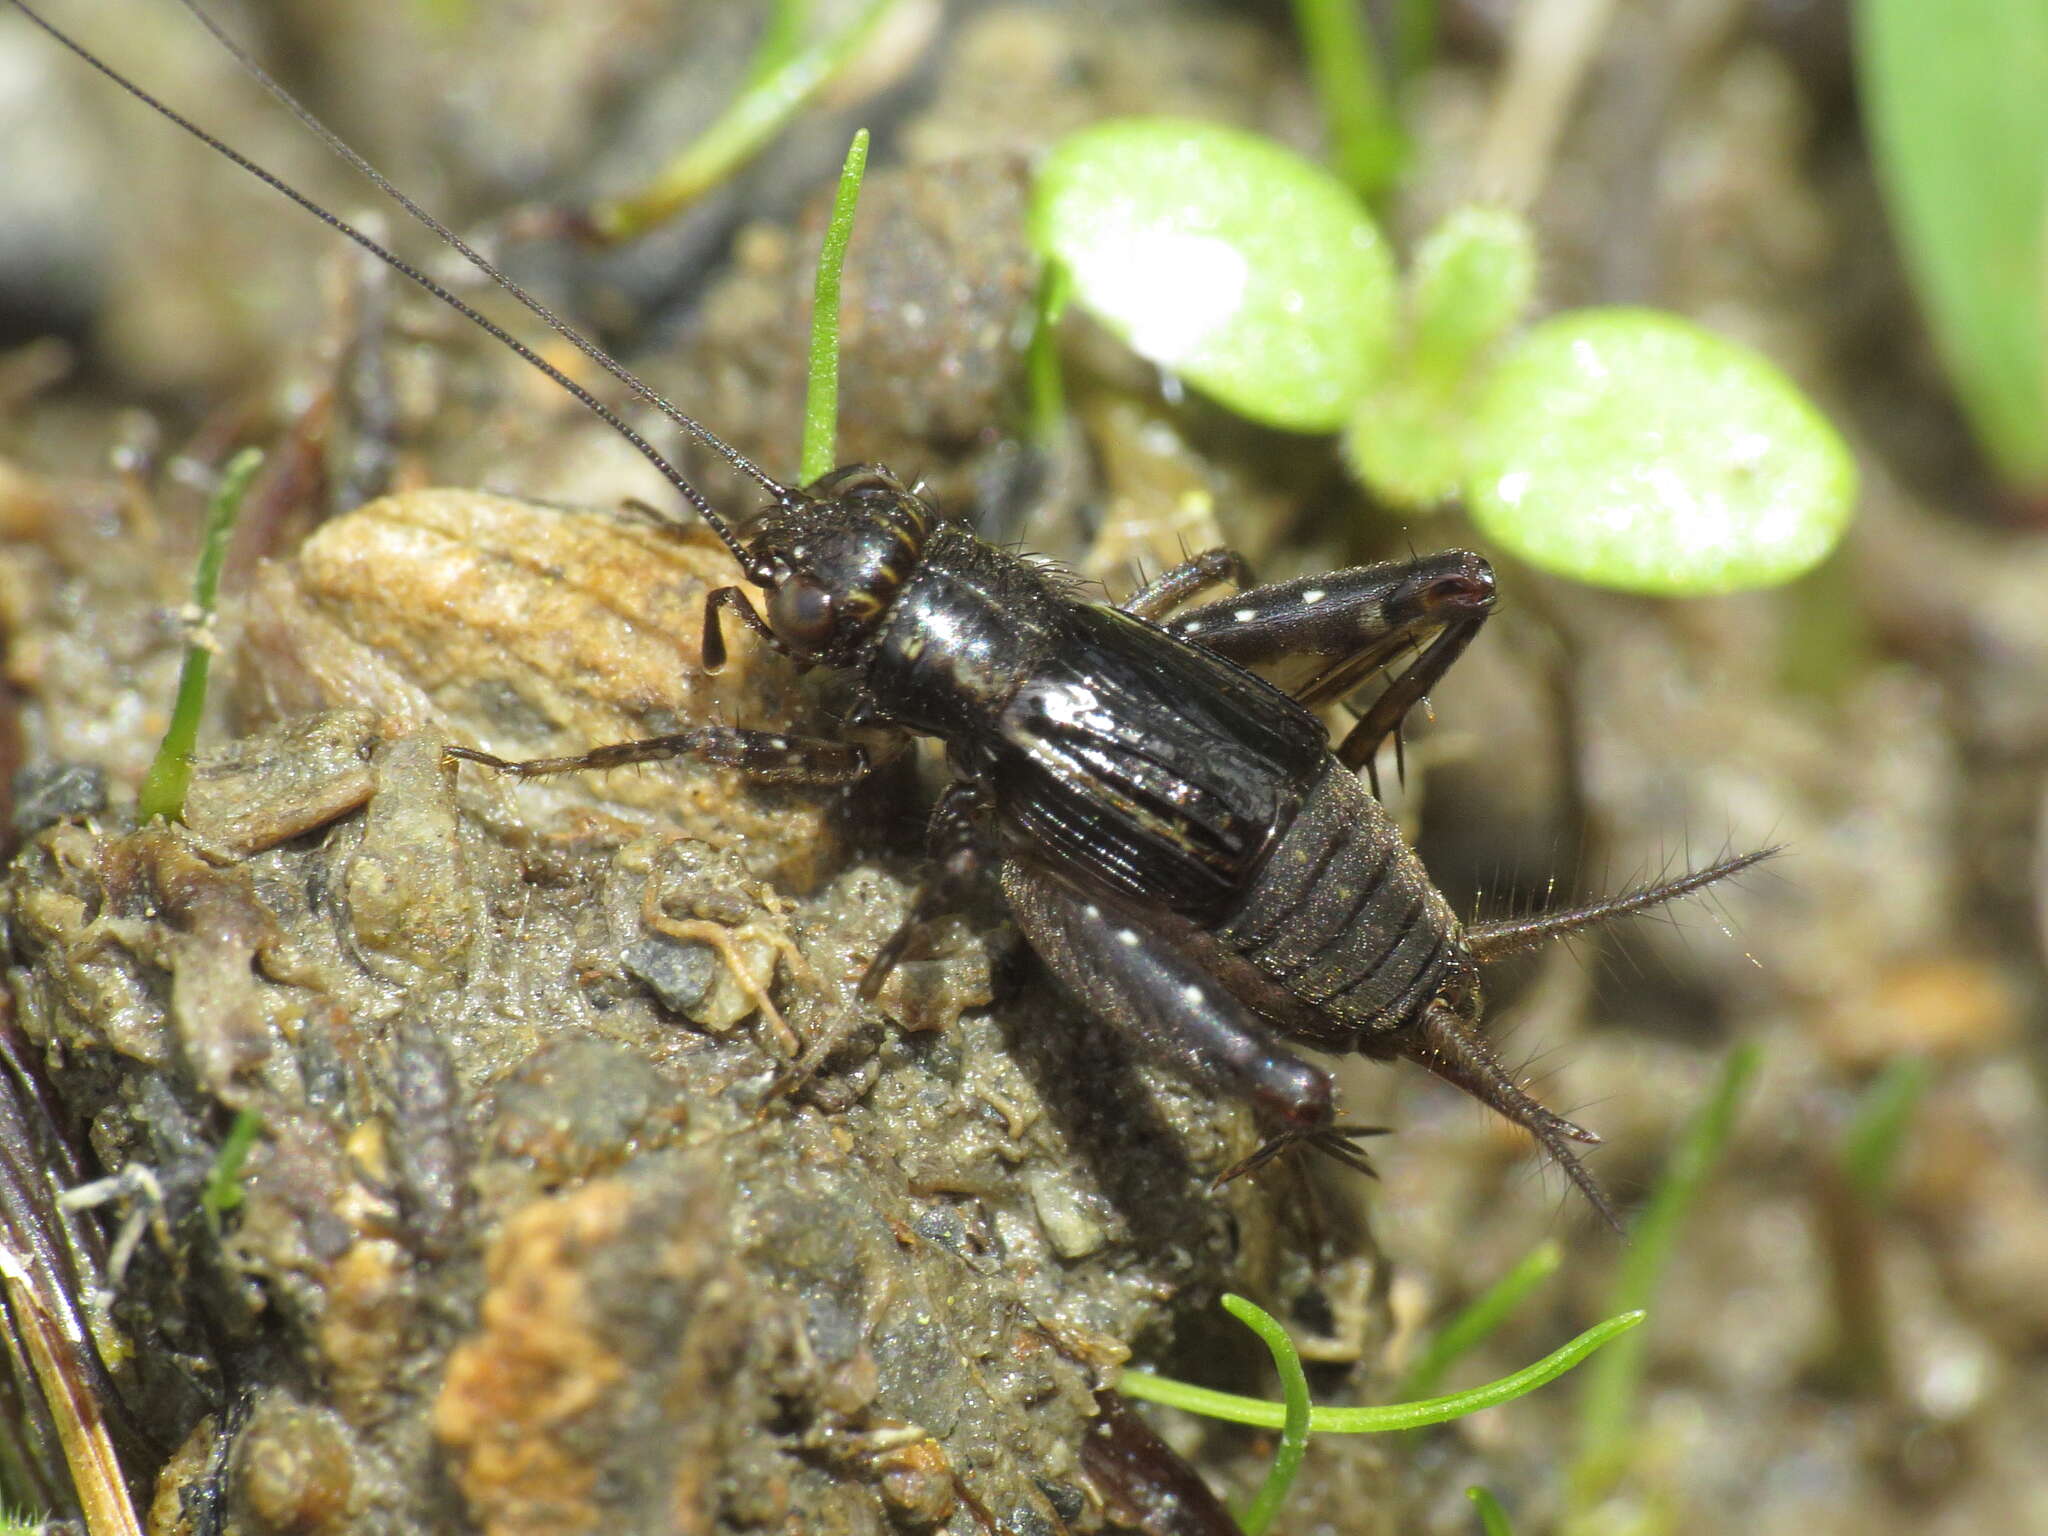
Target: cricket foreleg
[712,648]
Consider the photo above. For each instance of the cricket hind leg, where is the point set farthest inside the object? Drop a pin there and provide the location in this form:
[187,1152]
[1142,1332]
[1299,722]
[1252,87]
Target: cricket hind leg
[1320,637]
[1179,1013]
[766,757]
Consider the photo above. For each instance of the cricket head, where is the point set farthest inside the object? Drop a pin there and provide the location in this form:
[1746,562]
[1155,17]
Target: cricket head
[833,558]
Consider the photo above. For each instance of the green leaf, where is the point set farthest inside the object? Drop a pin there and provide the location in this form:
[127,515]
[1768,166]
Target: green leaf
[1632,449]
[1473,276]
[1225,259]
[1406,444]
[1956,94]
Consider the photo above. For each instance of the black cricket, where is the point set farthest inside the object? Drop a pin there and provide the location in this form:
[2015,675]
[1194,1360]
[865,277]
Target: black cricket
[1175,835]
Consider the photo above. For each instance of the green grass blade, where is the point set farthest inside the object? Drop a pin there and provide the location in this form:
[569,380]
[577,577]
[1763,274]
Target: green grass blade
[1608,1397]
[1871,1146]
[1394,1416]
[821,392]
[1493,1520]
[782,39]
[1464,1332]
[1956,95]
[170,772]
[1366,143]
[1414,43]
[1046,389]
[1258,1518]
[763,108]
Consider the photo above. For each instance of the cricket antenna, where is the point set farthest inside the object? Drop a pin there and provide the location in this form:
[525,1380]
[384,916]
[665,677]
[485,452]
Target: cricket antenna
[782,494]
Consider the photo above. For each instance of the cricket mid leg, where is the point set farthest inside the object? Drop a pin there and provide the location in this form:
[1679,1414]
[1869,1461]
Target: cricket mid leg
[1136,980]
[763,756]
[959,855]
[1177,583]
[1320,637]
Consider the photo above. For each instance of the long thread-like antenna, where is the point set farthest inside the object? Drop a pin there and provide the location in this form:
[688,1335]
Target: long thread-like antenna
[462,248]
[525,353]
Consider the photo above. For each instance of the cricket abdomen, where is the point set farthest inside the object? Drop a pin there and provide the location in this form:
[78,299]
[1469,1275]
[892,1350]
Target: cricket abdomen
[1343,917]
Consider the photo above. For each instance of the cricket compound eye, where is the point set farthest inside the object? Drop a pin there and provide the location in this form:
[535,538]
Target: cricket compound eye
[801,612]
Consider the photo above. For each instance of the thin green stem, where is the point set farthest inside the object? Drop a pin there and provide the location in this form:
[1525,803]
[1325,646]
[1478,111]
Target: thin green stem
[1870,1148]
[761,110]
[1493,1520]
[1414,43]
[1045,386]
[1258,1518]
[170,773]
[821,393]
[1394,1416]
[223,1191]
[1366,143]
[1609,1397]
[782,38]
[1465,1331]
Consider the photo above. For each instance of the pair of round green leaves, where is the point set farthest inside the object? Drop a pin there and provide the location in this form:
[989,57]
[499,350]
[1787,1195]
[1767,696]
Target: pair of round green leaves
[1624,447]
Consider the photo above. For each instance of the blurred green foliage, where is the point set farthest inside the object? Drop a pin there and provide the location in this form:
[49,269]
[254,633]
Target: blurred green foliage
[1622,447]
[1955,93]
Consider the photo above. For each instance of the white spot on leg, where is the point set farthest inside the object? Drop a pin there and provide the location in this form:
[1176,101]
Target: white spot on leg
[1128,937]
[1193,995]
[1245,615]
[1092,912]
[1194,627]
[1313,595]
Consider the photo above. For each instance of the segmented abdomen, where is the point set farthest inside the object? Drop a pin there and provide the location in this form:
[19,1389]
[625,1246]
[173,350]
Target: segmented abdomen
[1343,916]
